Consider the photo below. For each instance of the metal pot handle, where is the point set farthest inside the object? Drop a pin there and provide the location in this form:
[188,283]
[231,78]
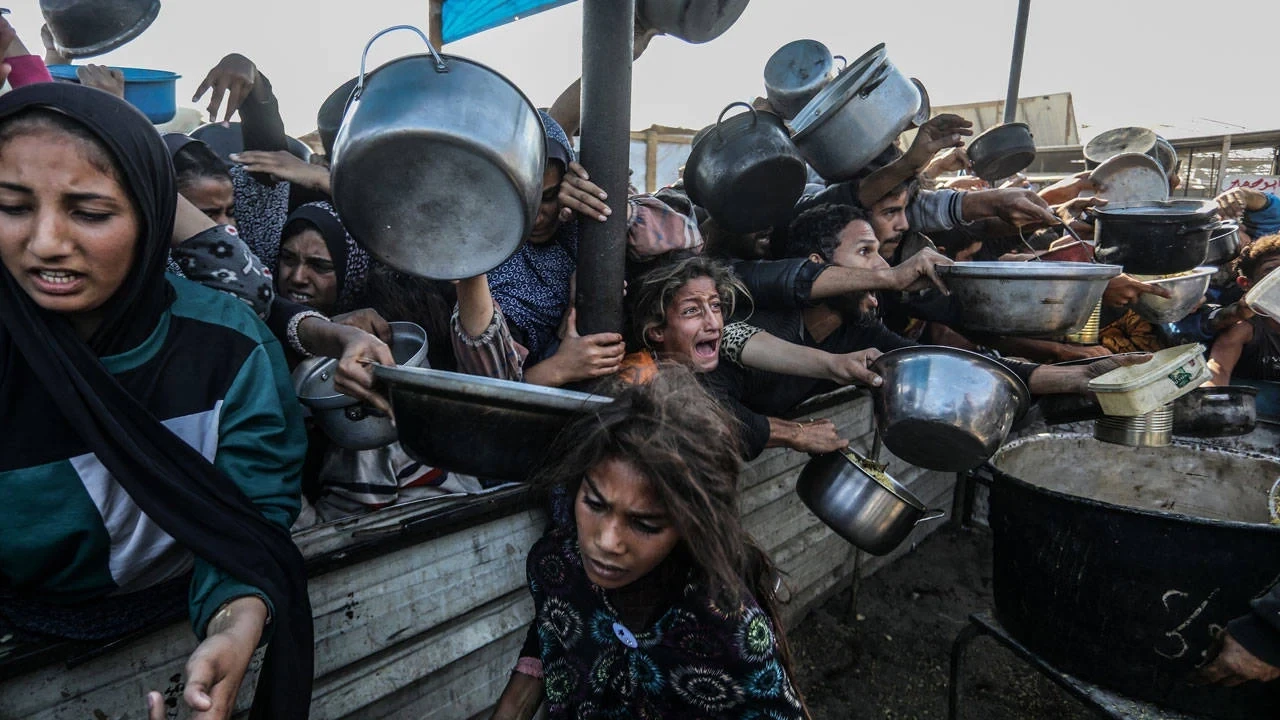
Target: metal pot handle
[441,66]
[926,108]
[932,515]
[844,62]
[754,115]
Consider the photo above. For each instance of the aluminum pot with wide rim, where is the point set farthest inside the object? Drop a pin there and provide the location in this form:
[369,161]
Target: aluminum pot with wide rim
[860,502]
[945,409]
[857,116]
[1155,238]
[745,171]
[795,73]
[1113,142]
[1045,299]
[438,164]
[695,21]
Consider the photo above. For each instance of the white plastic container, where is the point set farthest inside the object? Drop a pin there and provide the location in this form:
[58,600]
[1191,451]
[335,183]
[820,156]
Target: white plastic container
[1264,298]
[1139,389]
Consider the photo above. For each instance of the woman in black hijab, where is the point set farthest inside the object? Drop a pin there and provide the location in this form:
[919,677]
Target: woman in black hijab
[149,426]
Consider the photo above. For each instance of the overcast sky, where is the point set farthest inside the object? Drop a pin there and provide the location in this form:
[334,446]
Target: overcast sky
[1126,62]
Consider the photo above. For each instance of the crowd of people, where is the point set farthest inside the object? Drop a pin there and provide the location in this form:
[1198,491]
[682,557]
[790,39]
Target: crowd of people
[158,294]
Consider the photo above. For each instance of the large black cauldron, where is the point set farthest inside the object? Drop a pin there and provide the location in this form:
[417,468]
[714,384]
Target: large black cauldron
[1119,565]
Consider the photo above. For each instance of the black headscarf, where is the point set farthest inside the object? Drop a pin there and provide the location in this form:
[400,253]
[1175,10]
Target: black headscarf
[189,498]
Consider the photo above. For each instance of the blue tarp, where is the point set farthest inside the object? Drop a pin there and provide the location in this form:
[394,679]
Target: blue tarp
[462,18]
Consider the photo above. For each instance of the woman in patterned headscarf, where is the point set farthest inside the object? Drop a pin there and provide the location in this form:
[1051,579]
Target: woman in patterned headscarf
[654,599]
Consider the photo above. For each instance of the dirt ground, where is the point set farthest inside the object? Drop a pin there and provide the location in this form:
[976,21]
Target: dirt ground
[893,659]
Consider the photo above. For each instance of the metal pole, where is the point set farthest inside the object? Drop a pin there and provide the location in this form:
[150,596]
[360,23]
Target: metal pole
[607,38]
[1015,66]
[435,23]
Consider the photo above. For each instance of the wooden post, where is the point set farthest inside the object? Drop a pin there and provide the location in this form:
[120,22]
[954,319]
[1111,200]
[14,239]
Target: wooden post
[1222,163]
[435,23]
[650,160]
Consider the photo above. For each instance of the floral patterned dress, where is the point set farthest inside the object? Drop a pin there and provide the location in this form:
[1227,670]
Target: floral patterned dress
[696,661]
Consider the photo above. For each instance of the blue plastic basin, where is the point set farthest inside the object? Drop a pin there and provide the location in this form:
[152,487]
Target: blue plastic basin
[154,92]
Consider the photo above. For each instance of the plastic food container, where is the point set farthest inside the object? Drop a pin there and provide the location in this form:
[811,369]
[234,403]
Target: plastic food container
[1140,389]
[1264,298]
[154,92]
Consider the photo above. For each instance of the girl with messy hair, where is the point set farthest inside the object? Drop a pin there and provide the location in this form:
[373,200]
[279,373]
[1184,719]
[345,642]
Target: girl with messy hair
[653,602]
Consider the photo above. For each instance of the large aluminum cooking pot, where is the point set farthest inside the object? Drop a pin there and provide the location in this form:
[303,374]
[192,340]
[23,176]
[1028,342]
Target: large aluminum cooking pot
[1002,151]
[857,116]
[745,171]
[695,21]
[1120,565]
[476,425]
[437,168]
[860,502]
[346,421]
[84,28]
[1155,238]
[945,409]
[795,73]
[1045,299]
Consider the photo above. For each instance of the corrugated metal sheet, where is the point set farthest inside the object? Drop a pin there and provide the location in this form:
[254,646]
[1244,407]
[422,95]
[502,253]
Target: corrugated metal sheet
[462,18]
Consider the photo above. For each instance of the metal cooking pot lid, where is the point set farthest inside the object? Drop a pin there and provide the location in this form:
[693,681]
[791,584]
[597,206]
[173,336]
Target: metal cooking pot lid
[1120,140]
[486,391]
[838,91]
[1167,209]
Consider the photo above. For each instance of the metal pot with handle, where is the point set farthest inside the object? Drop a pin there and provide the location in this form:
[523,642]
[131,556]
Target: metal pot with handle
[857,116]
[796,72]
[860,502]
[438,164]
[745,171]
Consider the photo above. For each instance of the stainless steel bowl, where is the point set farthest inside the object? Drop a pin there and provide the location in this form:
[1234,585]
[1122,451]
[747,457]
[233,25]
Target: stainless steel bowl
[872,511]
[946,409]
[476,425]
[1187,290]
[1037,299]
[346,421]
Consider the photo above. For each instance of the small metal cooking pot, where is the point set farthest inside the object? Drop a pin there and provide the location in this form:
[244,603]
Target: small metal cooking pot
[795,73]
[1002,151]
[346,421]
[1156,238]
[857,116]
[695,21]
[745,171]
[438,165]
[84,28]
[1224,244]
[945,409]
[860,503]
[1216,411]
